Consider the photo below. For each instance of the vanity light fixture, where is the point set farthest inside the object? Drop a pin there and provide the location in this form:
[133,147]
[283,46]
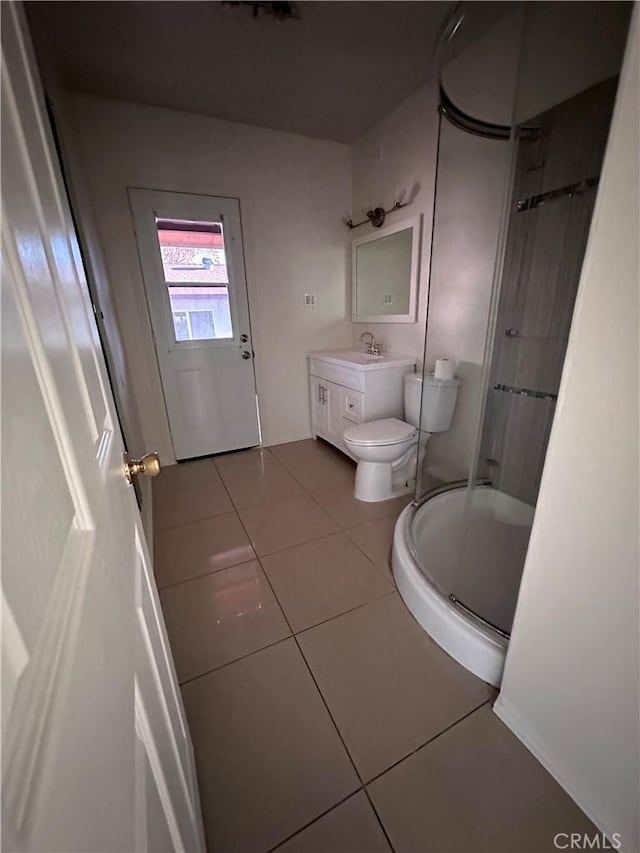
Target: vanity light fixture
[375,216]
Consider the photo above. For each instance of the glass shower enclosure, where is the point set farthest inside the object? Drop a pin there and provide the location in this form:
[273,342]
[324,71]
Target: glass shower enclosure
[522,134]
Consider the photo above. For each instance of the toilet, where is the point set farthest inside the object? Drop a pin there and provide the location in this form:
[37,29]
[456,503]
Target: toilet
[386,450]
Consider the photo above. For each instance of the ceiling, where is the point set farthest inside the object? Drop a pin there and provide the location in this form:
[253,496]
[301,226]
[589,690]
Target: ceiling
[332,74]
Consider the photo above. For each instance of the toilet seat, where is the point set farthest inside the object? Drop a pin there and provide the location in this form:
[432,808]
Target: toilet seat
[382,433]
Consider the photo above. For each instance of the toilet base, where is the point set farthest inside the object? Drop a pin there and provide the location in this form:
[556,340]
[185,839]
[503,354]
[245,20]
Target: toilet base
[378,481]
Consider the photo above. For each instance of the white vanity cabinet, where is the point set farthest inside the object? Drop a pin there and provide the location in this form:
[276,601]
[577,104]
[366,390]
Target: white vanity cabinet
[349,387]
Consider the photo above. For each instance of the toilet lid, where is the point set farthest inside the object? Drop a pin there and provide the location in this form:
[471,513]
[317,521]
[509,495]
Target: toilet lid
[386,431]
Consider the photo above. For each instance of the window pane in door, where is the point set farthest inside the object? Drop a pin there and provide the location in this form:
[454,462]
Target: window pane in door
[194,263]
[181,325]
[202,327]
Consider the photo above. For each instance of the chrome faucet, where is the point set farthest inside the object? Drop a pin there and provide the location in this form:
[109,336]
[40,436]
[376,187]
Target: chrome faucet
[372,347]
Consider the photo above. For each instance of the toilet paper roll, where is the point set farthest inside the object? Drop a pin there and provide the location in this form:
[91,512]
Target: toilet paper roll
[445,368]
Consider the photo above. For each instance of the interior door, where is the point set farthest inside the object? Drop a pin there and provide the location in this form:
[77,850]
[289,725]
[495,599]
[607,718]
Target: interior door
[96,754]
[193,268]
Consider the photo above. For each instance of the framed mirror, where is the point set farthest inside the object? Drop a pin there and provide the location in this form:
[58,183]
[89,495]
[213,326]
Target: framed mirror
[385,274]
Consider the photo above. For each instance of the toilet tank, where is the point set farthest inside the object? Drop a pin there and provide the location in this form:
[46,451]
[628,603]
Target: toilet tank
[439,397]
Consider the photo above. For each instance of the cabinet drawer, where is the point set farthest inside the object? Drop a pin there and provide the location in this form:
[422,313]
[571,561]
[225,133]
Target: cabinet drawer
[336,373]
[353,406]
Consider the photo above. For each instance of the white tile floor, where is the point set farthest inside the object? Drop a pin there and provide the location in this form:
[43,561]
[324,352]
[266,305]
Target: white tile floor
[324,720]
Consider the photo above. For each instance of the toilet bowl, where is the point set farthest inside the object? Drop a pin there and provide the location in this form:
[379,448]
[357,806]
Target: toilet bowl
[386,450]
[386,453]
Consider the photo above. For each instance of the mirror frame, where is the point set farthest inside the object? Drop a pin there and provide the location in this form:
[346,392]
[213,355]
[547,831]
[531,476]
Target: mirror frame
[414,223]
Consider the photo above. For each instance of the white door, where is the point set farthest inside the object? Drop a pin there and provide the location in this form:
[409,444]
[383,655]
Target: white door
[95,751]
[193,268]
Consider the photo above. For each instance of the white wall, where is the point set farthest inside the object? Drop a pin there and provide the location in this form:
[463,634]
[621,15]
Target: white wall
[399,154]
[293,194]
[570,688]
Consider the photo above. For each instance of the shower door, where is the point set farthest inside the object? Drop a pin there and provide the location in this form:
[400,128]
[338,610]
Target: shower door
[517,174]
[558,153]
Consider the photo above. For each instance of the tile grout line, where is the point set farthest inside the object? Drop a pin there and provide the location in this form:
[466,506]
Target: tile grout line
[277,600]
[322,699]
[258,559]
[196,520]
[253,559]
[283,498]
[193,520]
[235,660]
[429,741]
[341,529]
[289,636]
[315,820]
[377,568]
[344,530]
[342,740]
[294,636]
[379,819]
[342,613]
[388,769]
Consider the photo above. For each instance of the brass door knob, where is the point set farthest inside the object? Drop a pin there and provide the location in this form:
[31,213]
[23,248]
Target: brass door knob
[148,464]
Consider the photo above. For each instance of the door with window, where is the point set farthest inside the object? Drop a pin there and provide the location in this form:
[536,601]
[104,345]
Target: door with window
[193,268]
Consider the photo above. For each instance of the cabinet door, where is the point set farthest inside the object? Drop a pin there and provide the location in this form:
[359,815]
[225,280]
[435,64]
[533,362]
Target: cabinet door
[319,405]
[336,398]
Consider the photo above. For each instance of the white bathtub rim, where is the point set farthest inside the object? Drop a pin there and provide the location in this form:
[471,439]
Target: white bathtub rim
[472,645]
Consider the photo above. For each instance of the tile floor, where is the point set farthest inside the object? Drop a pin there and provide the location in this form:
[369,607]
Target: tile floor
[324,720]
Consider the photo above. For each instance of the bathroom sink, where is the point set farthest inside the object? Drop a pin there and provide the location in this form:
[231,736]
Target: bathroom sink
[363,360]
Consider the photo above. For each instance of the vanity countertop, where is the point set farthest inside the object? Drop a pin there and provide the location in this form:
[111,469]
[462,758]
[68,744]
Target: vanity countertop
[360,360]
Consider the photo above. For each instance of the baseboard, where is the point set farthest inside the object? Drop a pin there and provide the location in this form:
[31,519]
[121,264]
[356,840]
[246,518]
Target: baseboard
[517,725]
[285,439]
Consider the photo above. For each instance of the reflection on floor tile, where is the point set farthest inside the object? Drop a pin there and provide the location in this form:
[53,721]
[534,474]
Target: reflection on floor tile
[347,511]
[269,758]
[185,474]
[351,827]
[323,578]
[375,539]
[194,549]
[221,617]
[241,462]
[270,727]
[254,478]
[475,788]
[285,523]
[315,464]
[188,492]
[387,684]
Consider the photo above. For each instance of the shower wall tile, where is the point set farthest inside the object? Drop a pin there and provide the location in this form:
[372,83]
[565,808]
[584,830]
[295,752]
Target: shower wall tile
[578,136]
[570,265]
[534,363]
[551,271]
[523,435]
[509,311]
[492,432]
[542,265]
